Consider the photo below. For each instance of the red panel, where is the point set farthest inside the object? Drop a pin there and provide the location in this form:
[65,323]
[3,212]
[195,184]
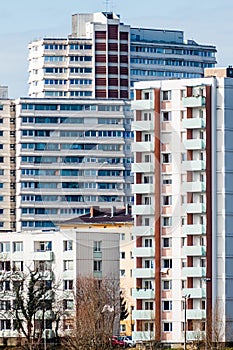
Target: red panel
[100,81]
[113,82]
[100,58]
[124,71]
[113,58]
[100,93]
[113,32]
[100,70]
[124,94]
[113,93]
[100,35]
[124,47]
[124,58]
[124,36]
[100,46]
[124,82]
[112,47]
[113,70]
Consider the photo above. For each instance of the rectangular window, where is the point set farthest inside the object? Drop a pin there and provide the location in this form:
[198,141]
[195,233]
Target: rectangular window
[68,265]
[167,242]
[167,116]
[167,221]
[167,285]
[122,255]
[166,158]
[166,95]
[17,246]
[97,265]
[97,246]
[68,284]
[149,305]
[167,305]
[68,245]
[4,247]
[167,327]
[17,265]
[167,263]
[167,200]
[122,273]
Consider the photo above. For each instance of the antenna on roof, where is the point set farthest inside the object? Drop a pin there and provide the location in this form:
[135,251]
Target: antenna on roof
[107,5]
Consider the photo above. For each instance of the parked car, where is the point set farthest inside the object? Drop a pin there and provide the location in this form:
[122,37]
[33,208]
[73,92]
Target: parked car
[127,341]
[117,342]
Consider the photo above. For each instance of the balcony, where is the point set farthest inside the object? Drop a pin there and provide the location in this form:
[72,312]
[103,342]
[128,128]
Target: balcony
[196,314]
[194,272]
[42,256]
[195,144]
[142,168]
[193,123]
[143,315]
[194,335]
[142,105]
[137,336]
[143,188]
[194,101]
[195,293]
[142,210]
[194,251]
[193,165]
[142,125]
[143,273]
[194,229]
[194,208]
[144,252]
[143,231]
[143,293]
[142,147]
[194,186]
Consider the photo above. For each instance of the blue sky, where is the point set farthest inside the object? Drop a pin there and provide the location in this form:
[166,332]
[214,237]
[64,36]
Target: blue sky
[207,22]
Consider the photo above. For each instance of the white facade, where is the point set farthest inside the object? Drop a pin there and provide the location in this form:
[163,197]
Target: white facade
[103,57]
[70,155]
[183,216]
[61,256]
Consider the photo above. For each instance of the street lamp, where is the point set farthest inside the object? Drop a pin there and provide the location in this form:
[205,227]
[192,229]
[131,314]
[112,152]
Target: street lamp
[186,297]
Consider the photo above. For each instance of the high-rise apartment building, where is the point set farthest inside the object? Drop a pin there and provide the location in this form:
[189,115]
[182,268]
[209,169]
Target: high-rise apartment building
[183,209]
[103,57]
[7,162]
[70,154]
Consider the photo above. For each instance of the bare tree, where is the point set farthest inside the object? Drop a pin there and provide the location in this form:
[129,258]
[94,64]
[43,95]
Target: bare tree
[31,300]
[97,314]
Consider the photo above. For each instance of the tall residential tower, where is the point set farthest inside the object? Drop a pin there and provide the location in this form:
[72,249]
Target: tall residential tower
[183,208]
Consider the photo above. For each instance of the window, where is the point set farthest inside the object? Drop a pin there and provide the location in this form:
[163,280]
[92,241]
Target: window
[68,265]
[43,246]
[166,158]
[122,255]
[167,181]
[148,179]
[148,285]
[17,265]
[167,221]
[166,95]
[167,285]
[122,236]
[167,327]
[97,246]
[167,200]
[122,273]
[147,200]
[149,327]
[97,265]
[147,137]
[148,242]
[167,242]
[68,304]
[43,265]
[147,158]
[68,245]
[148,264]
[167,305]
[146,221]
[17,246]
[167,116]
[5,324]
[149,305]
[68,284]
[5,305]
[167,263]
[4,247]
